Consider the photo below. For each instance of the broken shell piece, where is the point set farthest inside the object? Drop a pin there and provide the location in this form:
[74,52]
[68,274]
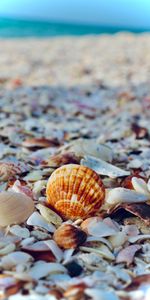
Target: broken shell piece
[140,237]
[103,168]
[138,281]
[75,191]
[8,285]
[38,187]
[82,147]
[7,249]
[40,251]
[97,227]
[43,269]
[49,215]
[141,210]
[19,188]
[34,176]
[122,195]
[55,249]
[37,220]
[14,259]
[127,254]
[97,294]
[40,143]
[20,231]
[99,239]
[68,236]
[62,159]
[15,208]
[102,250]
[8,170]
[118,240]
[140,186]
[127,181]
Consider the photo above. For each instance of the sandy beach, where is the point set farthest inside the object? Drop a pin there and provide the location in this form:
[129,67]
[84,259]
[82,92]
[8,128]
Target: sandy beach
[65,100]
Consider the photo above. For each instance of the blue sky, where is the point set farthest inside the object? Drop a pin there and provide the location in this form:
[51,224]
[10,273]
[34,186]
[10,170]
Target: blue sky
[133,13]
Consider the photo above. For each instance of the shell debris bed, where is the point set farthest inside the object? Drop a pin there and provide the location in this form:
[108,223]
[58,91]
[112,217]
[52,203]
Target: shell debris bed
[75,168]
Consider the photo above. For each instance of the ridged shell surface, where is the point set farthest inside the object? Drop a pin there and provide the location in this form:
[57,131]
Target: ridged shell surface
[75,191]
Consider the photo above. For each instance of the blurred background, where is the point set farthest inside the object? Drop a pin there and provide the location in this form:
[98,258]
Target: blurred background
[40,18]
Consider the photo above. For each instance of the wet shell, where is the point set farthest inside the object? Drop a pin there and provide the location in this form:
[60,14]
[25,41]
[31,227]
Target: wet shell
[15,208]
[75,191]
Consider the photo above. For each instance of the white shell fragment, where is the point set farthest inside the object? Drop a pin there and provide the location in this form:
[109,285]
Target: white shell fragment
[7,249]
[83,147]
[99,228]
[118,240]
[140,186]
[134,239]
[101,250]
[122,195]
[42,269]
[37,220]
[55,249]
[103,168]
[15,258]
[20,231]
[98,294]
[15,208]
[99,239]
[49,215]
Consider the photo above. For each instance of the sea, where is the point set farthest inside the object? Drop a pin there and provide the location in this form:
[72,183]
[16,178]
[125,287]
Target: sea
[14,28]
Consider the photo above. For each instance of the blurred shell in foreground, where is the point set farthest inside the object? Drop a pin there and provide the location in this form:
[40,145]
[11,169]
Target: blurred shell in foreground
[75,191]
[15,208]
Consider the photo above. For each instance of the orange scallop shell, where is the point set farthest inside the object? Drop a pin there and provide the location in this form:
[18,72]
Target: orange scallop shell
[75,191]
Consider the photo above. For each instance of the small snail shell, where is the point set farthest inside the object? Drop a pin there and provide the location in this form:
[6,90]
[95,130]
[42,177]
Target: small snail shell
[75,191]
[15,208]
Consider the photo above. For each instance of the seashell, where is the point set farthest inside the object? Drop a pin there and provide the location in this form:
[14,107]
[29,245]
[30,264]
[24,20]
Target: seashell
[102,167]
[97,227]
[68,236]
[7,249]
[127,182]
[118,240]
[140,186]
[122,195]
[15,258]
[8,170]
[102,250]
[40,143]
[49,215]
[58,253]
[97,294]
[15,208]
[127,254]
[20,231]
[40,251]
[37,220]
[140,237]
[8,286]
[75,191]
[21,187]
[43,269]
[102,240]
[82,147]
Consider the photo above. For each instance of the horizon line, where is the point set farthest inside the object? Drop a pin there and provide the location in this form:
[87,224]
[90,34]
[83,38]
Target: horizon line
[74,23]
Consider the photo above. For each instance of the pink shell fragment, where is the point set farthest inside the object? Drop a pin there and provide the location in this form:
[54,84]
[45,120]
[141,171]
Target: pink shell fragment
[127,254]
